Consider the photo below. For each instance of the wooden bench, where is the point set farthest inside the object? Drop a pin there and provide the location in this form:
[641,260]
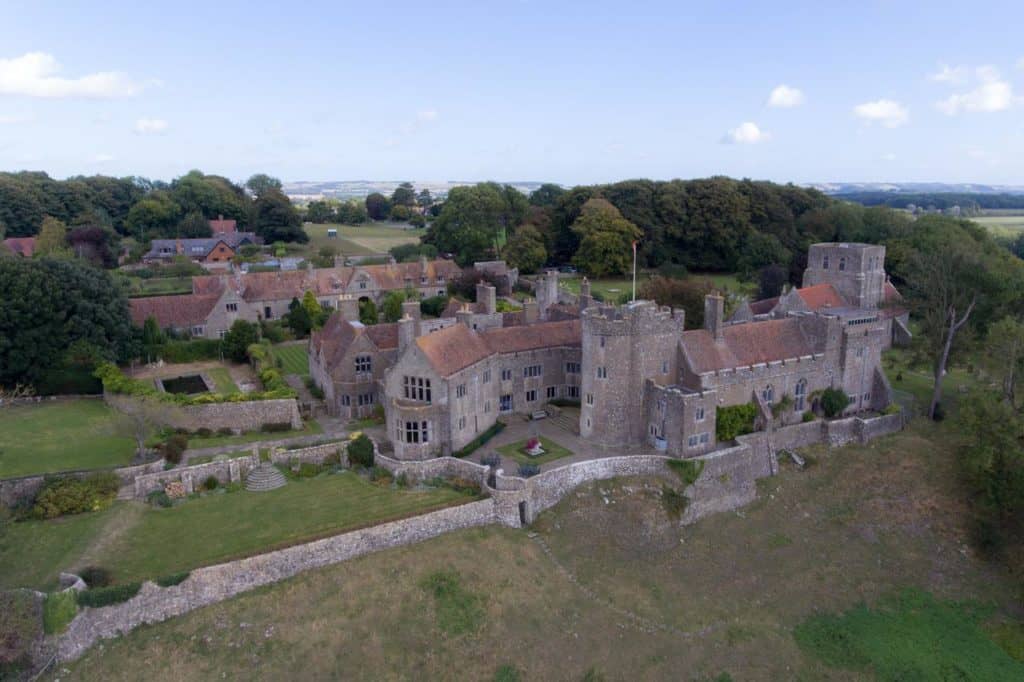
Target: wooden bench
[539,414]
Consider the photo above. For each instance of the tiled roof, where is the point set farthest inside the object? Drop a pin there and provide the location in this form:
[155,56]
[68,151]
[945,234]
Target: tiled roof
[181,312]
[748,343]
[384,336]
[534,336]
[821,296]
[453,348]
[455,305]
[338,334]
[223,225]
[764,306]
[560,311]
[22,246]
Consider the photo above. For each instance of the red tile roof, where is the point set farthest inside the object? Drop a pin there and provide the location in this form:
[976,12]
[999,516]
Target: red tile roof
[338,334]
[453,348]
[821,296]
[222,225]
[181,312]
[748,343]
[21,246]
[534,336]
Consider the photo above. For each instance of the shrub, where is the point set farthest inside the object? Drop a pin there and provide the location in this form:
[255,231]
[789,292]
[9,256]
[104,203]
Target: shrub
[402,481]
[308,470]
[433,306]
[175,447]
[59,609]
[211,483]
[95,576]
[158,498]
[674,502]
[105,596]
[380,475]
[528,470]
[276,427]
[172,579]
[204,432]
[225,431]
[75,496]
[314,390]
[480,440]
[565,402]
[833,402]
[185,351]
[808,416]
[688,470]
[360,452]
[734,420]
[892,408]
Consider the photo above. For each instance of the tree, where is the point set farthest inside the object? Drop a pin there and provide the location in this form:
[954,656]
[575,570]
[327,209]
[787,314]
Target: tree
[194,226]
[367,312]
[52,239]
[261,183]
[392,306]
[1003,355]
[48,305]
[156,214]
[605,239]
[298,319]
[404,195]
[407,253]
[525,250]
[546,195]
[316,312]
[152,335]
[140,417]
[475,220]
[98,245]
[352,212]
[400,213]
[238,339]
[277,219]
[377,206]
[687,294]
[424,199]
[320,212]
[770,280]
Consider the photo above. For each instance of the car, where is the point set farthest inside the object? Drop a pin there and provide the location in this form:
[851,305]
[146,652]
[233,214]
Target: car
[567,269]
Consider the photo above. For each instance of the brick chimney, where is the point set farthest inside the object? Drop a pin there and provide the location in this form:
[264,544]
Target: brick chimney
[714,315]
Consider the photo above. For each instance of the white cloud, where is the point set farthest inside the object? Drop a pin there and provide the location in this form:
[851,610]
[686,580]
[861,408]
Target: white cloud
[886,112]
[34,75]
[889,157]
[990,96]
[427,115]
[746,133]
[950,74]
[785,97]
[150,126]
[103,158]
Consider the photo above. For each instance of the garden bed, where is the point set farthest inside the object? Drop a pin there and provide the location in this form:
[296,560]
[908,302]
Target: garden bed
[552,451]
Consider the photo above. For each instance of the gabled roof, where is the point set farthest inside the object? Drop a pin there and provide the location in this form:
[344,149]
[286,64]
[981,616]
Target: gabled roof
[745,344]
[338,335]
[21,246]
[821,296]
[534,336]
[181,312]
[453,348]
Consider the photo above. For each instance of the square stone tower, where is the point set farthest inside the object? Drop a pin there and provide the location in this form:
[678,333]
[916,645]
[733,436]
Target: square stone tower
[857,271]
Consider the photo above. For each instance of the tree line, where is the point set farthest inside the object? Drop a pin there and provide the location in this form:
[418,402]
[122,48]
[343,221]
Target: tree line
[404,205]
[969,202]
[146,209]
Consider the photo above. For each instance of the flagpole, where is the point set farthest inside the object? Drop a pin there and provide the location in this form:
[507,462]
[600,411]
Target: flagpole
[634,271]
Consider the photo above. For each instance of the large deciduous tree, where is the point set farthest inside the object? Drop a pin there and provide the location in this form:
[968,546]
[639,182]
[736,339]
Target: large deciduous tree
[277,220]
[52,239]
[605,240]
[404,195]
[47,306]
[475,220]
[261,183]
[525,250]
[377,206]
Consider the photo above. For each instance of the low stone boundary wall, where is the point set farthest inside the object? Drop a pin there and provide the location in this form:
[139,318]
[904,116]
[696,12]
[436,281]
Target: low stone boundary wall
[314,454]
[13,490]
[225,471]
[424,470]
[249,415]
[213,584]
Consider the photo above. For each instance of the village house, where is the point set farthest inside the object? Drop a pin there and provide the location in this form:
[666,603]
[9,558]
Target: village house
[220,248]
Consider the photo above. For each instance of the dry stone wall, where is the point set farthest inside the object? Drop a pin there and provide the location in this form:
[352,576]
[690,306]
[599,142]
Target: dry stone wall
[314,454]
[225,471]
[240,417]
[13,490]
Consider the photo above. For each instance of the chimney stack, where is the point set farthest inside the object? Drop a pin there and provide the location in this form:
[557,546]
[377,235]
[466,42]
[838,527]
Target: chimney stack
[531,311]
[487,295]
[406,332]
[348,306]
[714,316]
[464,315]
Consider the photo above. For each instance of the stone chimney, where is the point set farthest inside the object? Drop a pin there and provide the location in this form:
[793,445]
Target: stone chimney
[412,309]
[406,332]
[547,292]
[585,298]
[487,295]
[531,311]
[423,265]
[348,306]
[714,315]
[464,315]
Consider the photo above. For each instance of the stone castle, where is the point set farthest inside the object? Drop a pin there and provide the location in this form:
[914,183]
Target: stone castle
[641,379]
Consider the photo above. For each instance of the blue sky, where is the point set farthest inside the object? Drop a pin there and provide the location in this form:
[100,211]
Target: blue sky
[570,92]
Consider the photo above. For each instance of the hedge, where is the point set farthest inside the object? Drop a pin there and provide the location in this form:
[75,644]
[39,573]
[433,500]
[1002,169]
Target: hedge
[185,351]
[172,579]
[480,440]
[105,596]
[115,381]
[734,420]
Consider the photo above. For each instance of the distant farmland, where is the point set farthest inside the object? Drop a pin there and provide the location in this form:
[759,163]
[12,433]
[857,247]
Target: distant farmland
[361,240]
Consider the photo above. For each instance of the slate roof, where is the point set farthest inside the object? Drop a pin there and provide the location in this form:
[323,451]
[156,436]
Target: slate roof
[746,344]
[203,246]
[181,312]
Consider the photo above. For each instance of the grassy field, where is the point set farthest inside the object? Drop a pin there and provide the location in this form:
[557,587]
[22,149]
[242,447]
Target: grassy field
[552,451]
[135,541]
[362,239]
[294,357]
[222,380]
[136,286]
[61,436]
[1003,225]
[612,288]
[726,595]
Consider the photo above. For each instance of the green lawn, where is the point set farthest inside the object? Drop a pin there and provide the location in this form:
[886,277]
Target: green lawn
[917,381]
[552,451]
[222,380]
[157,286]
[61,436]
[139,542]
[1002,225]
[612,288]
[295,358]
[309,428]
[362,239]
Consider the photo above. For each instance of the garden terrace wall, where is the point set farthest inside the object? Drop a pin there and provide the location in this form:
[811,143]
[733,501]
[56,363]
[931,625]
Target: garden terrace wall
[14,490]
[240,417]
[213,584]
[225,471]
[314,454]
[424,470]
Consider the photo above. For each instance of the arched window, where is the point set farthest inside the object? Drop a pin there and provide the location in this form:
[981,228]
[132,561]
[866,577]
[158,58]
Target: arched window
[768,394]
[801,394]
[842,263]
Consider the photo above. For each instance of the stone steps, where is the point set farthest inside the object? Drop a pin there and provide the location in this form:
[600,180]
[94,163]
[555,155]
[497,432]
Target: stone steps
[564,421]
[264,477]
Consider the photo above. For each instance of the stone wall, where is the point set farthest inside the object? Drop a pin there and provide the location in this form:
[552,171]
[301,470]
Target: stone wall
[315,454]
[424,470]
[240,417]
[213,584]
[13,490]
[226,471]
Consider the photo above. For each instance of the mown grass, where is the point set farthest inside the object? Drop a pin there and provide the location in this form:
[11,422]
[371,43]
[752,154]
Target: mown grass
[909,636]
[612,289]
[294,358]
[552,451]
[157,286]
[356,240]
[223,383]
[59,610]
[61,436]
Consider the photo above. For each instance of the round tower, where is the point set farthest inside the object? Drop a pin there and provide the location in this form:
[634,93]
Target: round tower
[623,347]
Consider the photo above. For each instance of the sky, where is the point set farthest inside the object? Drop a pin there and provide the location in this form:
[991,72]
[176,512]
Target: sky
[569,92]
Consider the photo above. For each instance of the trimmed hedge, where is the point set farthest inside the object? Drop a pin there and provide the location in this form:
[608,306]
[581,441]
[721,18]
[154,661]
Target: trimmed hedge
[360,452]
[734,420]
[834,401]
[105,596]
[480,440]
[172,579]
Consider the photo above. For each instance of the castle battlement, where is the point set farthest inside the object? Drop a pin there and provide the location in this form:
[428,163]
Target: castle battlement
[630,319]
